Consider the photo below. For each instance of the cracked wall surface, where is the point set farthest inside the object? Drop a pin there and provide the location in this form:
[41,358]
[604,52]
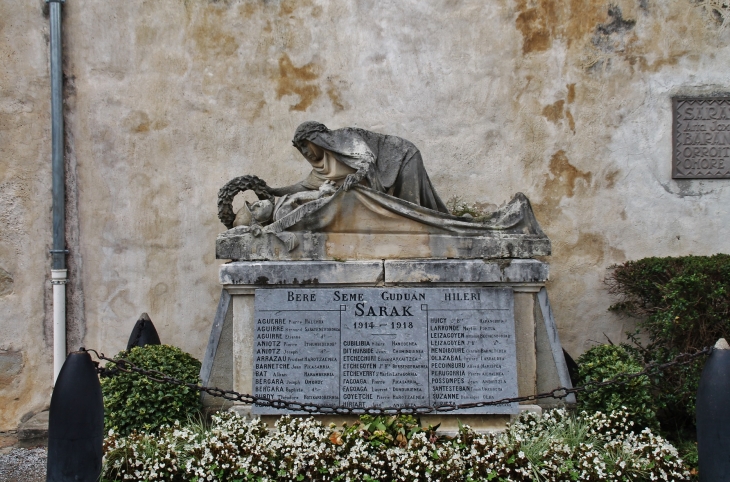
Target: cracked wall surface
[568,101]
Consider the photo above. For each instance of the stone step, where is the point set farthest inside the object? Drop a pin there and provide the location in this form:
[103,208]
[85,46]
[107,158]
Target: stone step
[34,431]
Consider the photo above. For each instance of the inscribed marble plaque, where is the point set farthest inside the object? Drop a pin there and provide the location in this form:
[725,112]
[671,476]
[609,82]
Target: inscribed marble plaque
[385,347]
[701,135]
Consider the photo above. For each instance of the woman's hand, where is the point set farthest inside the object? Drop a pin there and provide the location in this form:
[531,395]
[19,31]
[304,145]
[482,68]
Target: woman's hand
[353,179]
[327,188]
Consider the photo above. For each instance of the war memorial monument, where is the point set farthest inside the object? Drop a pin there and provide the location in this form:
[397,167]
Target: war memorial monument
[356,288]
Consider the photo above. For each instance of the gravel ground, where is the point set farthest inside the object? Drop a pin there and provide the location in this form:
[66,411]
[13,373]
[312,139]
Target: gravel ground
[23,465]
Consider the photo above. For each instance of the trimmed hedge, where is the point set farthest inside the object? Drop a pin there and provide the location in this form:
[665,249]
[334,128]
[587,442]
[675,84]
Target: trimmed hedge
[134,402]
[604,362]
[683,305]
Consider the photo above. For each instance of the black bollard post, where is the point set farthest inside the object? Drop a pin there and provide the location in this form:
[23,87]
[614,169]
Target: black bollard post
[713,415]
[76,423]
[143,333]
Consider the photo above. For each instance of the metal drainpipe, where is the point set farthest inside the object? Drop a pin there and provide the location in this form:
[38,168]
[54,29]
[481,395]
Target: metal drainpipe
[58,253]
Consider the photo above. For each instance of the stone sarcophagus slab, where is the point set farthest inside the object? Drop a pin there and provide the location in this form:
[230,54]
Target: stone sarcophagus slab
[364,224]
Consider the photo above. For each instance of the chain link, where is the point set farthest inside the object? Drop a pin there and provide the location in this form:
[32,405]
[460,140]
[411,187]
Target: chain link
[122,365]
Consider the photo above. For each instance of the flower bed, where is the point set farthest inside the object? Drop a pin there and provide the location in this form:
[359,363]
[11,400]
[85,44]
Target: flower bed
[556,446]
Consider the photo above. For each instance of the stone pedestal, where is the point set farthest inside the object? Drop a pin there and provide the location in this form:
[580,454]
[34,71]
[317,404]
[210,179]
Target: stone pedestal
[229,361]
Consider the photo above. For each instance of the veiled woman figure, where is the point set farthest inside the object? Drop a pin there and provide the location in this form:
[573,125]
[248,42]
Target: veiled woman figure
[351,156]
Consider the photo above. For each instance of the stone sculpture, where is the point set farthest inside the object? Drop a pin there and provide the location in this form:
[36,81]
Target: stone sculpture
[350,156]
[368,196]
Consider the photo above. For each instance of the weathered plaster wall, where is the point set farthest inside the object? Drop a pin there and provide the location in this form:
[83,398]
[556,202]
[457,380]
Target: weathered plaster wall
[566,101]
[25,218]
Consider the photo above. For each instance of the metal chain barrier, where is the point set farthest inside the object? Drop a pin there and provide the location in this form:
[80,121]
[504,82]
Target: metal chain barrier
[122,365]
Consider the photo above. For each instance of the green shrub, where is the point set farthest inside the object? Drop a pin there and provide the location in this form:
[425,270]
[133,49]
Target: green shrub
[683,304]
[388,430]
[604,362]
[134,402]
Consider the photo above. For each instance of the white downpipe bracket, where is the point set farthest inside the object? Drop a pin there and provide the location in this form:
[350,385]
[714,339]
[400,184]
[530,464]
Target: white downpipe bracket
[58,280]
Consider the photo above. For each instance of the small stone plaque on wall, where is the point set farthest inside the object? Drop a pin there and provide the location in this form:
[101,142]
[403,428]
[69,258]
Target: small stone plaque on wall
[701,136]
[385,347]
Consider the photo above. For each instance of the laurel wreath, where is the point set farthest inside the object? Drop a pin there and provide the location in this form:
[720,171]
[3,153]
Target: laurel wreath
[233,187]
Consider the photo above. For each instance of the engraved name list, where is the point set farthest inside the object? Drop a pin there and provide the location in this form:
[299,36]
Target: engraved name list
[385,347]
